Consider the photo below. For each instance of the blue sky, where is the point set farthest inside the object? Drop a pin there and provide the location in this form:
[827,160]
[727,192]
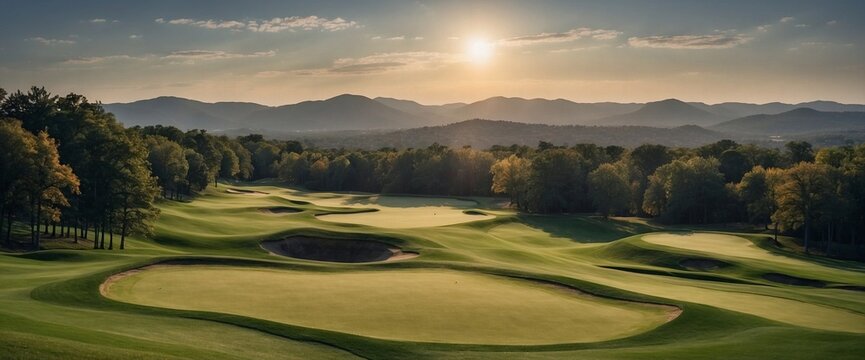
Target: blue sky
[278,52]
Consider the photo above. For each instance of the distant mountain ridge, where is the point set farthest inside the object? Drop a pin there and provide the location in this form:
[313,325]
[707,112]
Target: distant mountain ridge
[355,112]
[482,134]
[795,122]
[664,113]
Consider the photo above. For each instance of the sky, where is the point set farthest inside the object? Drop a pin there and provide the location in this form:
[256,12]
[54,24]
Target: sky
[434,52]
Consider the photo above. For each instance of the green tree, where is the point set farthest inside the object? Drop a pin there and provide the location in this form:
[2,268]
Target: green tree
[799,151]
[757,191]
[46,179]
[17,150]
[511,177]
[198,175]
[689,191]
[169,164]
[802,196]
[610,189]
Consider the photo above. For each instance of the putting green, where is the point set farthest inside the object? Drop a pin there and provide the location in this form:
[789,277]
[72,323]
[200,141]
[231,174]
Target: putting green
[401,212]
[428,305]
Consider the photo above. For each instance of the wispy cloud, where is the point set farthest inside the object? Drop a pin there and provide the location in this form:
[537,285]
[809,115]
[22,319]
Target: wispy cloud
[276,24]
[577,49]
[396,38]
[802,25]
[135,36]
[379,63]
[570,35]
[269,74]
[713,41]
[787,19]
[92,60]
[191,56]
[102,21]
[175,57]
[47,41]
[832,22]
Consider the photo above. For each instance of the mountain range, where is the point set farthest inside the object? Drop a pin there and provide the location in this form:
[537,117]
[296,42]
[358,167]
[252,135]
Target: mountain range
[355,112]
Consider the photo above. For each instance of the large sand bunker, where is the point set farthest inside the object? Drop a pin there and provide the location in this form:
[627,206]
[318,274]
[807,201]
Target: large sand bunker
[336,250]
[428,305]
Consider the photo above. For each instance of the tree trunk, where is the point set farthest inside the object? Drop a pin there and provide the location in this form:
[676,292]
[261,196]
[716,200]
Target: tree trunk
[123,233]
[9,227]
[2,215]
[776,234]
[95,237]
[75,230]
[102,240]
[807,233]
[54,230]
[38,219]
[110,236]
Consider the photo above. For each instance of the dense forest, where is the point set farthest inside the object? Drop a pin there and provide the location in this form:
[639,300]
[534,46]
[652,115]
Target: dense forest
[70,169]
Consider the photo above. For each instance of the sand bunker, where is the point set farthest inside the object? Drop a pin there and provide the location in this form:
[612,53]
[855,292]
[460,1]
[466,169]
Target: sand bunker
[698,264]
[242,191]
[336,250]
[429,305]
[792,280]
[278,210]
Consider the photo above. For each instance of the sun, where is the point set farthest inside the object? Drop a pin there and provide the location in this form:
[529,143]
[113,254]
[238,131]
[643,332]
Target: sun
[479,50]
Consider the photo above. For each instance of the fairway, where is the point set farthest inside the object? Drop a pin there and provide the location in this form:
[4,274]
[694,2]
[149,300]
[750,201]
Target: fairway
[727,245]
[412,305]
[401,212]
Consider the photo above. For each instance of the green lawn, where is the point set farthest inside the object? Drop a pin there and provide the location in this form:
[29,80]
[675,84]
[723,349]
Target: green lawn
[474,292]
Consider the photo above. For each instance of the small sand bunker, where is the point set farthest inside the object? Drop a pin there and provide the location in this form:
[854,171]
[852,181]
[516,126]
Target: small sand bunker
[278,210]
[703,264]
[242,191]
[792,280]
[336,250]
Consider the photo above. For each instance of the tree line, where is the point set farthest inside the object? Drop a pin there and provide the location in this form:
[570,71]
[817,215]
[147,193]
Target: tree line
[84,173]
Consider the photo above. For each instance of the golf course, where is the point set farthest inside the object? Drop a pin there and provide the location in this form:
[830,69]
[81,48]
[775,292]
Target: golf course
[262,270]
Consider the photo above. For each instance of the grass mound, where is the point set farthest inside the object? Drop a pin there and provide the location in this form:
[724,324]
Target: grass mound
[335,250]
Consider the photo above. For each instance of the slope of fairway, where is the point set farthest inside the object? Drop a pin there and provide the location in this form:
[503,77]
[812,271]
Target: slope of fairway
[728,245]
[415,305]
[401,212]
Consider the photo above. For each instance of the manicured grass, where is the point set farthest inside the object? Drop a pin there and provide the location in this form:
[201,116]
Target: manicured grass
[401,212]
[267,306]
[415,305]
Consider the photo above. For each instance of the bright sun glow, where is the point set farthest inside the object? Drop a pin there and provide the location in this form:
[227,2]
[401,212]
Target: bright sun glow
[479,50]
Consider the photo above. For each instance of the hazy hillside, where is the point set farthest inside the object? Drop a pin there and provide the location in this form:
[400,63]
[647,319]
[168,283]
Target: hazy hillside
[795,122]
[436,114]
[183,113]
[665,113]
[539,111]
[735,110]
[343,112]
[353,112]
[486,133]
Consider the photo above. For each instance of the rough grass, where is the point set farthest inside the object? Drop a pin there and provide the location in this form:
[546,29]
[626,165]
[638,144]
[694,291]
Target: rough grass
[50,305]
